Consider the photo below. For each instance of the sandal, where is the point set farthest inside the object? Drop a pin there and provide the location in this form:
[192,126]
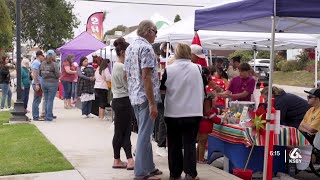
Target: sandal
[150,177]
[130,168]
[156,172]
[122,165]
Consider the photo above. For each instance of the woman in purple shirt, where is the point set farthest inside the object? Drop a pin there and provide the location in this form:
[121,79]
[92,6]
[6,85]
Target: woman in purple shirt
[240,87]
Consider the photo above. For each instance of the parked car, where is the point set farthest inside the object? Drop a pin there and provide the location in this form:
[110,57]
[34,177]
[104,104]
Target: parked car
[260,63]
[262,70]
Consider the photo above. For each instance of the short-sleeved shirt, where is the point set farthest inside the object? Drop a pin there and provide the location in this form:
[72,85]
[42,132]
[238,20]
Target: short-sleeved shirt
[220,101]
[36,66]
[312,117]
[232,72]
[66,76]
[238,85]
[140,55]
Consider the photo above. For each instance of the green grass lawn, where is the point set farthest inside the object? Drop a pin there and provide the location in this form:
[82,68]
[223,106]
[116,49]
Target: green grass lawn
[24,149]
[295,78]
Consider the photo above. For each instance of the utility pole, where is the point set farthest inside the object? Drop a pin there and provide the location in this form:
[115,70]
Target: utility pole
[18,113]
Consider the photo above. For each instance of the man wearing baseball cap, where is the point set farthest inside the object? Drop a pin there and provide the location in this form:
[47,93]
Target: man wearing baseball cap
[36,85]
[311,121]
[197,55]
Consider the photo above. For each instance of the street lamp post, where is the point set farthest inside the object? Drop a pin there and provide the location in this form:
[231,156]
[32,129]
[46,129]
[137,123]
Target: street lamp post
[18,113]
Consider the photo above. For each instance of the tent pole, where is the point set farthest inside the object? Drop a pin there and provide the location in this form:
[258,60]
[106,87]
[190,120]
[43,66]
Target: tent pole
[316,64]
[254,59]
[167,53]
[266,149]
[210,57]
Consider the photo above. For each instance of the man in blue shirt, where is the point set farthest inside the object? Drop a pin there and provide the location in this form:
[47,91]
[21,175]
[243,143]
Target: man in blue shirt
[36,85]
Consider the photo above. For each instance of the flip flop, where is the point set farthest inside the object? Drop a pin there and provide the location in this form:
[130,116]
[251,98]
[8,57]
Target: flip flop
[156,172]
[150,177]
[122,165]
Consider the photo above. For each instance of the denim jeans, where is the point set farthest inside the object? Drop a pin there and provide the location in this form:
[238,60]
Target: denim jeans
[67,89]
[86,107]
[74,90]
[144,164]
[25,96]
[49,90]
[35,104]
[6,91]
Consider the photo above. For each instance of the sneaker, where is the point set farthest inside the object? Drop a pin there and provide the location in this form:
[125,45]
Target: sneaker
[162,151]
[4,109]
[188,177]
[39,119]
[84,116]
[89,116]
[54,117]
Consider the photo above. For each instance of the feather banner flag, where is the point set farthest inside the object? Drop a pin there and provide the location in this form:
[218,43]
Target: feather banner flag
[95,25]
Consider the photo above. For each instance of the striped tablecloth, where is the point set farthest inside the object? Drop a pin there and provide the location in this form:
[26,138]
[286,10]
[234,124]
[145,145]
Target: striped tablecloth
[232,133]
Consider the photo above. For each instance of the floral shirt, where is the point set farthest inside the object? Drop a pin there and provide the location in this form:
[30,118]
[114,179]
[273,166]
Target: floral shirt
[140,55]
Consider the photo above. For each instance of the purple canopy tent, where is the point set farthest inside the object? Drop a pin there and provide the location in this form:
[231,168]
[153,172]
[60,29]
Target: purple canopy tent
[82,45]
[281,16]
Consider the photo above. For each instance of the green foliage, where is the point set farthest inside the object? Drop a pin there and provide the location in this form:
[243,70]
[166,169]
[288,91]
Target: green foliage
[302,62]
[279,65]
[293,65]
[6,31]
[247,55]
[303,57]
[47,23]
[177,18]
[118,28]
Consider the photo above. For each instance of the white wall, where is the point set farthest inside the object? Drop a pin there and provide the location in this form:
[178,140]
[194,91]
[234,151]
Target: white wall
[292,53]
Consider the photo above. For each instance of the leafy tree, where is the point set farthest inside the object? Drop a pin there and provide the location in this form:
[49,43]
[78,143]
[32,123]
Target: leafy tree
[118,28]
[177,18]
[47,23]
[6,31]
[247,55]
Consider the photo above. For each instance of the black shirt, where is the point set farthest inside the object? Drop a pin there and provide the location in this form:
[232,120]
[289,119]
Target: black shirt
[292,108]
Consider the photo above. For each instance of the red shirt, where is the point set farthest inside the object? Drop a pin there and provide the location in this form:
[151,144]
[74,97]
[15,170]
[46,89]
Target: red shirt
[202,62]
[220,101]
[66,76]
[206,123]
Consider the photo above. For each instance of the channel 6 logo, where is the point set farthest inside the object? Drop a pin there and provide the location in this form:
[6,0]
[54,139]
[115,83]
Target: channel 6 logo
[295,156]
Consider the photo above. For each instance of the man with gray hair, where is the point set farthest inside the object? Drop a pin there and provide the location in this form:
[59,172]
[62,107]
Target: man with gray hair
[143,85]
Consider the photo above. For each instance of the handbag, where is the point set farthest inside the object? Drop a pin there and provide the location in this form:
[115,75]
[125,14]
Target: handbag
[109,84]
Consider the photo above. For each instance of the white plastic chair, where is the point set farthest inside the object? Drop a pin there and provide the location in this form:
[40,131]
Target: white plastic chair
[316,141]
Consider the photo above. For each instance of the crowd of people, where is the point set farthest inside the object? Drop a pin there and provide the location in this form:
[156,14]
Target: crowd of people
[183,101]
[176,100]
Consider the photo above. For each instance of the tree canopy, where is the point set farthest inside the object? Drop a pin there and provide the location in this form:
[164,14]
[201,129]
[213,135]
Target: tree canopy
[118,28]
[47,23]
[247,55]
[177,18]
[6,31]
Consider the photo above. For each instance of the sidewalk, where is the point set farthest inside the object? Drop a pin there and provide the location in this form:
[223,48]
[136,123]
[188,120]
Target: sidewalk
[87,144]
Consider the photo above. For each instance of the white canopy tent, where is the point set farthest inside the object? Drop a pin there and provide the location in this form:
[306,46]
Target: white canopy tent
[183,31]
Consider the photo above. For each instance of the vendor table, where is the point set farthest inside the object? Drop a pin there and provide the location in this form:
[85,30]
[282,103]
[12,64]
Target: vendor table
[234,142]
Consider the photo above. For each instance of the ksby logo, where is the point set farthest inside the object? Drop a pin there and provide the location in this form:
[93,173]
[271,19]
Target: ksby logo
[295,156]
